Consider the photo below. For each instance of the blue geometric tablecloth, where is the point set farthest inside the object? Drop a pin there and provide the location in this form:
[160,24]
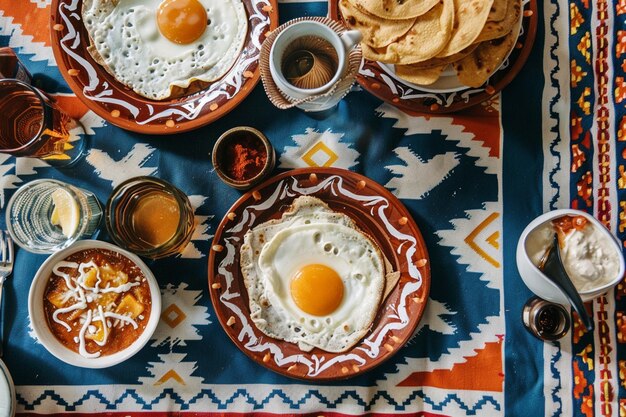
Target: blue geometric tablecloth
[472,181]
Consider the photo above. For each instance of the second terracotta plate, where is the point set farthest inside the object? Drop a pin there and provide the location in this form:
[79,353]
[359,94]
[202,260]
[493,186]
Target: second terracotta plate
[379,214]
[380,79]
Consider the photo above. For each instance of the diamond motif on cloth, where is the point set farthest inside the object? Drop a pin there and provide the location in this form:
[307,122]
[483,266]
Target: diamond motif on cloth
[314,158]
[319,149]
[477,244]
[173,315]
[183,312]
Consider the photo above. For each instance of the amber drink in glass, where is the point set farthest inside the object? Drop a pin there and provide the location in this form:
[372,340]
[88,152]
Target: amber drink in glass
[32,125]
[150,217]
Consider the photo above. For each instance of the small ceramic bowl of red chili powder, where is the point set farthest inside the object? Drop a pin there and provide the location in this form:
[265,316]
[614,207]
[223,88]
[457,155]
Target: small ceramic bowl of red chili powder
[242,157]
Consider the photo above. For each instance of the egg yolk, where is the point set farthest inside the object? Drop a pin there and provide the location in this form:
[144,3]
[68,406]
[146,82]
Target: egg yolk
[182,21]
[317,289]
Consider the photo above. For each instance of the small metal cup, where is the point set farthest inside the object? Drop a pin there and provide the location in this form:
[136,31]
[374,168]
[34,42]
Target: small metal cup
[545,320]
[231,137]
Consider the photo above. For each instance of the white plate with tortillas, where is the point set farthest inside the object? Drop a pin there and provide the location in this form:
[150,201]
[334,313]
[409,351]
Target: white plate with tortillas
[454,45]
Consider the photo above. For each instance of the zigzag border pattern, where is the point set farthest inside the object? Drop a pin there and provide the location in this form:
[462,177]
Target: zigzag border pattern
[604,199]
[554,115]
[294,404]
[618,58]
[552,193]
[555,394]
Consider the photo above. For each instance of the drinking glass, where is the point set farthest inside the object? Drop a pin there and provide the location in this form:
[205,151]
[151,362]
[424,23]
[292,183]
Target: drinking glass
[30,221]
[34,126]
[150,217]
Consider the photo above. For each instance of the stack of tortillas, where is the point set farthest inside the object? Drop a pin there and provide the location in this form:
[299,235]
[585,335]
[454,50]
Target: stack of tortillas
[423,37]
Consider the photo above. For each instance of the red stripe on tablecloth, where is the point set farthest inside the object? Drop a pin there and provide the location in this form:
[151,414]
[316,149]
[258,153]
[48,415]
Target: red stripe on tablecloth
[207,414]
[484,122]
[605,389]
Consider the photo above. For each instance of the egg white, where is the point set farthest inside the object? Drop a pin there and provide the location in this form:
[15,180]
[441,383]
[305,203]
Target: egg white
[311,233]
[126,37]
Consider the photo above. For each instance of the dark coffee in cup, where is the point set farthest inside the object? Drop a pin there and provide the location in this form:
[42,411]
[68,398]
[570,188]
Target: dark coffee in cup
[309,62]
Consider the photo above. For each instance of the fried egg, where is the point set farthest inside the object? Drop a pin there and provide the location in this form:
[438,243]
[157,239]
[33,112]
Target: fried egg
[153,46]
[313,278]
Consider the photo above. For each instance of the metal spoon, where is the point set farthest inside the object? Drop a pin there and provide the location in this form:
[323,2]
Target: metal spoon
[552,266]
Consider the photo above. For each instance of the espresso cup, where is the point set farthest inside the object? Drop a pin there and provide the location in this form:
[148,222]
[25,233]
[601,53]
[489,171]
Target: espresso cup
[342,44]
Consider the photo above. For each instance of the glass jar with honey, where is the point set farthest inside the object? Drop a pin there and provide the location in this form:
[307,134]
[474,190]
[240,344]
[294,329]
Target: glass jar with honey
[150,217]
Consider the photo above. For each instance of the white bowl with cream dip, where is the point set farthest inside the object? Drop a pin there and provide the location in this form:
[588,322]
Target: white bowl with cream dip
[591,256]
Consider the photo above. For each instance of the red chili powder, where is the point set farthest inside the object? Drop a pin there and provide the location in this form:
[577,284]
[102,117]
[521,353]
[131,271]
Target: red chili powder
[244,157]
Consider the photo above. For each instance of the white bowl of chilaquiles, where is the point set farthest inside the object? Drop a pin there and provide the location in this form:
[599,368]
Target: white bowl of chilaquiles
[93,304]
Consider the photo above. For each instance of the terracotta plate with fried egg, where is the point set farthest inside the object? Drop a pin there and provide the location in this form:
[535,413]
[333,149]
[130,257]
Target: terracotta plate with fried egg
[109,78]
[379,215]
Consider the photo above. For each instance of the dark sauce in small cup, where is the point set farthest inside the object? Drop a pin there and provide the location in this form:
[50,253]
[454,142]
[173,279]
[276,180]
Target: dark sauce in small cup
[545,320]
[549,319]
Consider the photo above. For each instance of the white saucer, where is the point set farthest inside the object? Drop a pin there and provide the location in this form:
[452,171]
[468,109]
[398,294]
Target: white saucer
[7,392]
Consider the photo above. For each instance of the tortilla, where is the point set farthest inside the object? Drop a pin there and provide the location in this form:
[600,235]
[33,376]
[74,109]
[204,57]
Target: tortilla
[395,9]
[377,32]
[494,30]
[438,62]
[391,278]
[470,17]
[475,69]
[498,10]
[421,76]
[426,38]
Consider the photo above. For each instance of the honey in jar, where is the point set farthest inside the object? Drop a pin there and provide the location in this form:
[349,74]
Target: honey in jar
[150,217]
[155,218]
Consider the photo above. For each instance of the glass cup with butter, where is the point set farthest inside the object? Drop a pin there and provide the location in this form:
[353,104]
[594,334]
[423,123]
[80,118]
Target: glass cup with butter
[150,217]
[44,216]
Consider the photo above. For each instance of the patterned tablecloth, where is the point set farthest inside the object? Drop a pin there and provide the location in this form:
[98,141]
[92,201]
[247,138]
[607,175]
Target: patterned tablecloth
[553,138]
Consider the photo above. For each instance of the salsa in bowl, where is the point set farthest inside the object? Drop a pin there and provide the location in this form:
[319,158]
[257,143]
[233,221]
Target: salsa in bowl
[93,304]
